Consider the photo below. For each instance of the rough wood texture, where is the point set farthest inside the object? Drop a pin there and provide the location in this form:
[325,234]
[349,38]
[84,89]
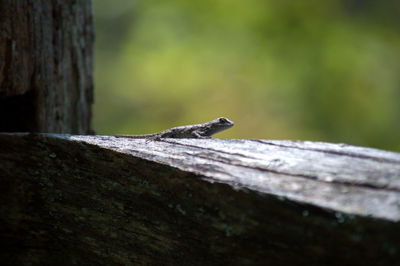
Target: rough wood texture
[196,202]
[46,50]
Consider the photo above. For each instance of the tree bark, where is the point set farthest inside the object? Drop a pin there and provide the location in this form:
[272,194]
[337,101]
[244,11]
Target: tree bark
[46,50]
[99,200]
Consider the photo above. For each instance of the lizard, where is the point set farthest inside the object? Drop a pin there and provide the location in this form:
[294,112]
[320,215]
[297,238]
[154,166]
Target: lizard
[199,131]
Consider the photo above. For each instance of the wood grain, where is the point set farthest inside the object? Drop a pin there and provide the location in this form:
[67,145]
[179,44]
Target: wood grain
[91,200]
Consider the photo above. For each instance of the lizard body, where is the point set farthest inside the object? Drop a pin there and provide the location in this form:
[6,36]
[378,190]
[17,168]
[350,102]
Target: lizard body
[200,131]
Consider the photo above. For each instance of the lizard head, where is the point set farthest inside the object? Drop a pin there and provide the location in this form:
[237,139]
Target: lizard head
[224,122]
[218,125]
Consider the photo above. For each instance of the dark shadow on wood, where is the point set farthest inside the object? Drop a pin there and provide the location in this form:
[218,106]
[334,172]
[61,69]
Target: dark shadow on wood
[17,113]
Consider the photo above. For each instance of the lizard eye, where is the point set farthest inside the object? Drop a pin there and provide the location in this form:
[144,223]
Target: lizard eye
[223,120]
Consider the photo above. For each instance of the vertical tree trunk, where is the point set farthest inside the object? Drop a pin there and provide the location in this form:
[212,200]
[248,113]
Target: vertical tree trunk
[46,61]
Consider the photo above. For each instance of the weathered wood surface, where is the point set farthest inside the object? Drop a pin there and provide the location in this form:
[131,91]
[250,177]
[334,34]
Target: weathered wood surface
[46,65]
[341,177]
[196,202]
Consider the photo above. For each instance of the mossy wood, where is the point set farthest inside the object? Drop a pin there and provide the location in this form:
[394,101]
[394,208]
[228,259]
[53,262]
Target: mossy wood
[99,200]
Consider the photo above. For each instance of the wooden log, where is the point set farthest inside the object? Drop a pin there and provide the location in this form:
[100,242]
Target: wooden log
[91,200]
[46,65]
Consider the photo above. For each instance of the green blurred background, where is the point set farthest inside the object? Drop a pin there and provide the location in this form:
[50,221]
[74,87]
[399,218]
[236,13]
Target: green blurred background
[311,70]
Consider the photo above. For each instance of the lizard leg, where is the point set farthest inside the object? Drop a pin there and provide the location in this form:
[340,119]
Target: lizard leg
[197,135]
